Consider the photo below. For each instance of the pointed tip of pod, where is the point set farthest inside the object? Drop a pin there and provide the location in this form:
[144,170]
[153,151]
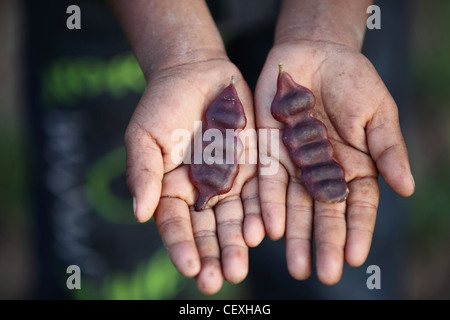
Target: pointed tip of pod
[233,80]
[285,83]
[280,67]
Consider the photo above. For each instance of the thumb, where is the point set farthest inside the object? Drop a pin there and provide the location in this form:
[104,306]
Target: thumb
[145,171]
[387,148]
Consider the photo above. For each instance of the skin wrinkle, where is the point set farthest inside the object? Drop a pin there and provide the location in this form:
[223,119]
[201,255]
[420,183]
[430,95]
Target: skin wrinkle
[324,244]
[382,125]
[271,158]
[273,180]
[175,69]
[367,230]
[233,246]
[254,196]
[298,208]
[252,214]
[176,197]
[177,243]
[229,199]
[373,128]
[387,151]
[202,234]
[306,240]
[362,204]
[211,260]
[167,223]
[270,202]
[329,214]
[230,222]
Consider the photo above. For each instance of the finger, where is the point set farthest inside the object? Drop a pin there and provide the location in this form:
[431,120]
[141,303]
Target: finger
[299,222]
[253,224]
[234,251]
[174,225]
[210,278]
[145,171]
[272,195]
[362,204]
[330,233]
[388,149]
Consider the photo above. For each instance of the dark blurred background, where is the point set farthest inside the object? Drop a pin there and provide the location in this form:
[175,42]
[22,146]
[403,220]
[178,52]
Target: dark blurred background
[57,89]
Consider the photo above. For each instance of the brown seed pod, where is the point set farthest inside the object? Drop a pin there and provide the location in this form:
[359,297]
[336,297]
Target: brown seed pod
[211,179]
[306,138]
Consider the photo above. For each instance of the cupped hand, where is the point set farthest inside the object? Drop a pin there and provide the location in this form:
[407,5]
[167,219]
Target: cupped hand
[363,127]
[211,244]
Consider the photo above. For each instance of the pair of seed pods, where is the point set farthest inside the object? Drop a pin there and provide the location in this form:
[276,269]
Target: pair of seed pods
[304,136]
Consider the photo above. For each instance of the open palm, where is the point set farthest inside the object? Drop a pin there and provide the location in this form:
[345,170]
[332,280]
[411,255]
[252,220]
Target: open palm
[208,244]
[362,121]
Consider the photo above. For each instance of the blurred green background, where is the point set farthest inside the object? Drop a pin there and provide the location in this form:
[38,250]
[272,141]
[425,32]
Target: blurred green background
[427,133]
[428,273]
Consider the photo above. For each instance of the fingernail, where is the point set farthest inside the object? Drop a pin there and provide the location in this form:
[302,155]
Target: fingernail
[412,178]
[134,207]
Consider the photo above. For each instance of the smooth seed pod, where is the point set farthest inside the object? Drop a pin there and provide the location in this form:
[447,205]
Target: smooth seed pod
[306,139]
[212,179]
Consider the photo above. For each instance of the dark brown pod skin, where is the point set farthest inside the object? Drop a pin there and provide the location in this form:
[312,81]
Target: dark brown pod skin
[306,139]
[225,112]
